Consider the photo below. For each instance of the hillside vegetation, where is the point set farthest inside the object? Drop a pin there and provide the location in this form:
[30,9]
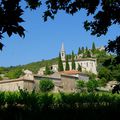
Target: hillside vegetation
[16,71]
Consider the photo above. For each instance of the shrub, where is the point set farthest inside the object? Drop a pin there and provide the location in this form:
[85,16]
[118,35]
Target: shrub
[102,82]
[14,73]
[1,78]
[92,85]
[81,85]
[46,85]
[105,73]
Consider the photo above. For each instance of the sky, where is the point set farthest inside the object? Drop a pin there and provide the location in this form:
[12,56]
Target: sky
[43,39]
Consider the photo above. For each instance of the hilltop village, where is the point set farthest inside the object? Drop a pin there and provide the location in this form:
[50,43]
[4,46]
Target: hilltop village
[64,74]
[87,64]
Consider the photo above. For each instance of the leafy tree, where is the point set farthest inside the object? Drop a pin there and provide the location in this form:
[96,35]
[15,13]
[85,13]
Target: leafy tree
[73,61]
[11,15]
[79,68]
[69,56]
[67,64]
[80,85]
[102,82]
[116,72]
[88,53]
[47,70]
[92,85]
[14,73]
[105,73]
[60,64]
[91,76]
[3,70]
[46,85]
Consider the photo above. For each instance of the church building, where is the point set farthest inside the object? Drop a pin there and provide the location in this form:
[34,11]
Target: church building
[87,64]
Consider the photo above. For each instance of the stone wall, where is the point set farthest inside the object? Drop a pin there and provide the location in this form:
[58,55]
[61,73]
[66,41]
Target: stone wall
[68,83]
[14,85]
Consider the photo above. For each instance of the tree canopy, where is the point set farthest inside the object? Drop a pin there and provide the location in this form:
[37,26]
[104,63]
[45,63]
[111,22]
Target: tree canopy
[105,13]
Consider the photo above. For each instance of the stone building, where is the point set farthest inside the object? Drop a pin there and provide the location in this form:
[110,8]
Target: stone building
[15,84]
[87,64]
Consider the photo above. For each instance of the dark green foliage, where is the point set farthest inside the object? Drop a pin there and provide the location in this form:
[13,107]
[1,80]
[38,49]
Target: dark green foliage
[102,82]
[3,70]
[92,76]
[82,49]
[114,46]
[33,4]
[109,69]
[2,99]
[34,67]
[67,64]
[46,85]
[60,64]
[79,68]
[116,72]
[81,85]
[79,51]
[1,78]
[14,73]
[73,61]
[93,48]
[92,85]
[30,105]
[47,70]
[88,53]
[105,73]
[69,56]
[86,49]
[11,19]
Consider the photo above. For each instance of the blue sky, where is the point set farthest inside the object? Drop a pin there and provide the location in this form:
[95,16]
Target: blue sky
[43,39]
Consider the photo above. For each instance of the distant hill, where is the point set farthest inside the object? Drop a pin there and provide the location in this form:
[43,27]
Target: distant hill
[15,71]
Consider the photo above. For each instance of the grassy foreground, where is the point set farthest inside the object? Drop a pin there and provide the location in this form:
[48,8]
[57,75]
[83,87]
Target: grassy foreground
[32,106]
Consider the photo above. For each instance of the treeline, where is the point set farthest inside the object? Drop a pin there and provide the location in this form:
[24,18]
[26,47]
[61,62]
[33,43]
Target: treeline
[13,72]
[24,105]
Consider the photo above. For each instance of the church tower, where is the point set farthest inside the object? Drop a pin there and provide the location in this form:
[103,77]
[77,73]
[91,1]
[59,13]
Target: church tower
[62,52]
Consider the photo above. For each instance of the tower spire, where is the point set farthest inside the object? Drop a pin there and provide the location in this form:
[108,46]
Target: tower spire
[62,52]
[62,47]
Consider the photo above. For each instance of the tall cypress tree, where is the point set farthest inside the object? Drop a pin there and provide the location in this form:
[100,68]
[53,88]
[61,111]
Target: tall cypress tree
[47,70]
[67,64]
[79,68]
[82,49]
[60,64]
[88,54]
[93,47]
[86,48]
[79,51]
[73,61]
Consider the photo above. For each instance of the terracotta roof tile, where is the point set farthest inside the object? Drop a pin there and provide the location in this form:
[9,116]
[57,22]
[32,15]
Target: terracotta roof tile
[70,72]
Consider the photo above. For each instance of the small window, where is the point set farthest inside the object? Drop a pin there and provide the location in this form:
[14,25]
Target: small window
[51,67]
[87,64]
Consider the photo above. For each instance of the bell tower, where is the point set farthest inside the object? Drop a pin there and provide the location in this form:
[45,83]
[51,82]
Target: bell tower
[62,52]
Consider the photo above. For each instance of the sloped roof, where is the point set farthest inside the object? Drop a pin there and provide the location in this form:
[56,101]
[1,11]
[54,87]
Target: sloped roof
[70,72]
